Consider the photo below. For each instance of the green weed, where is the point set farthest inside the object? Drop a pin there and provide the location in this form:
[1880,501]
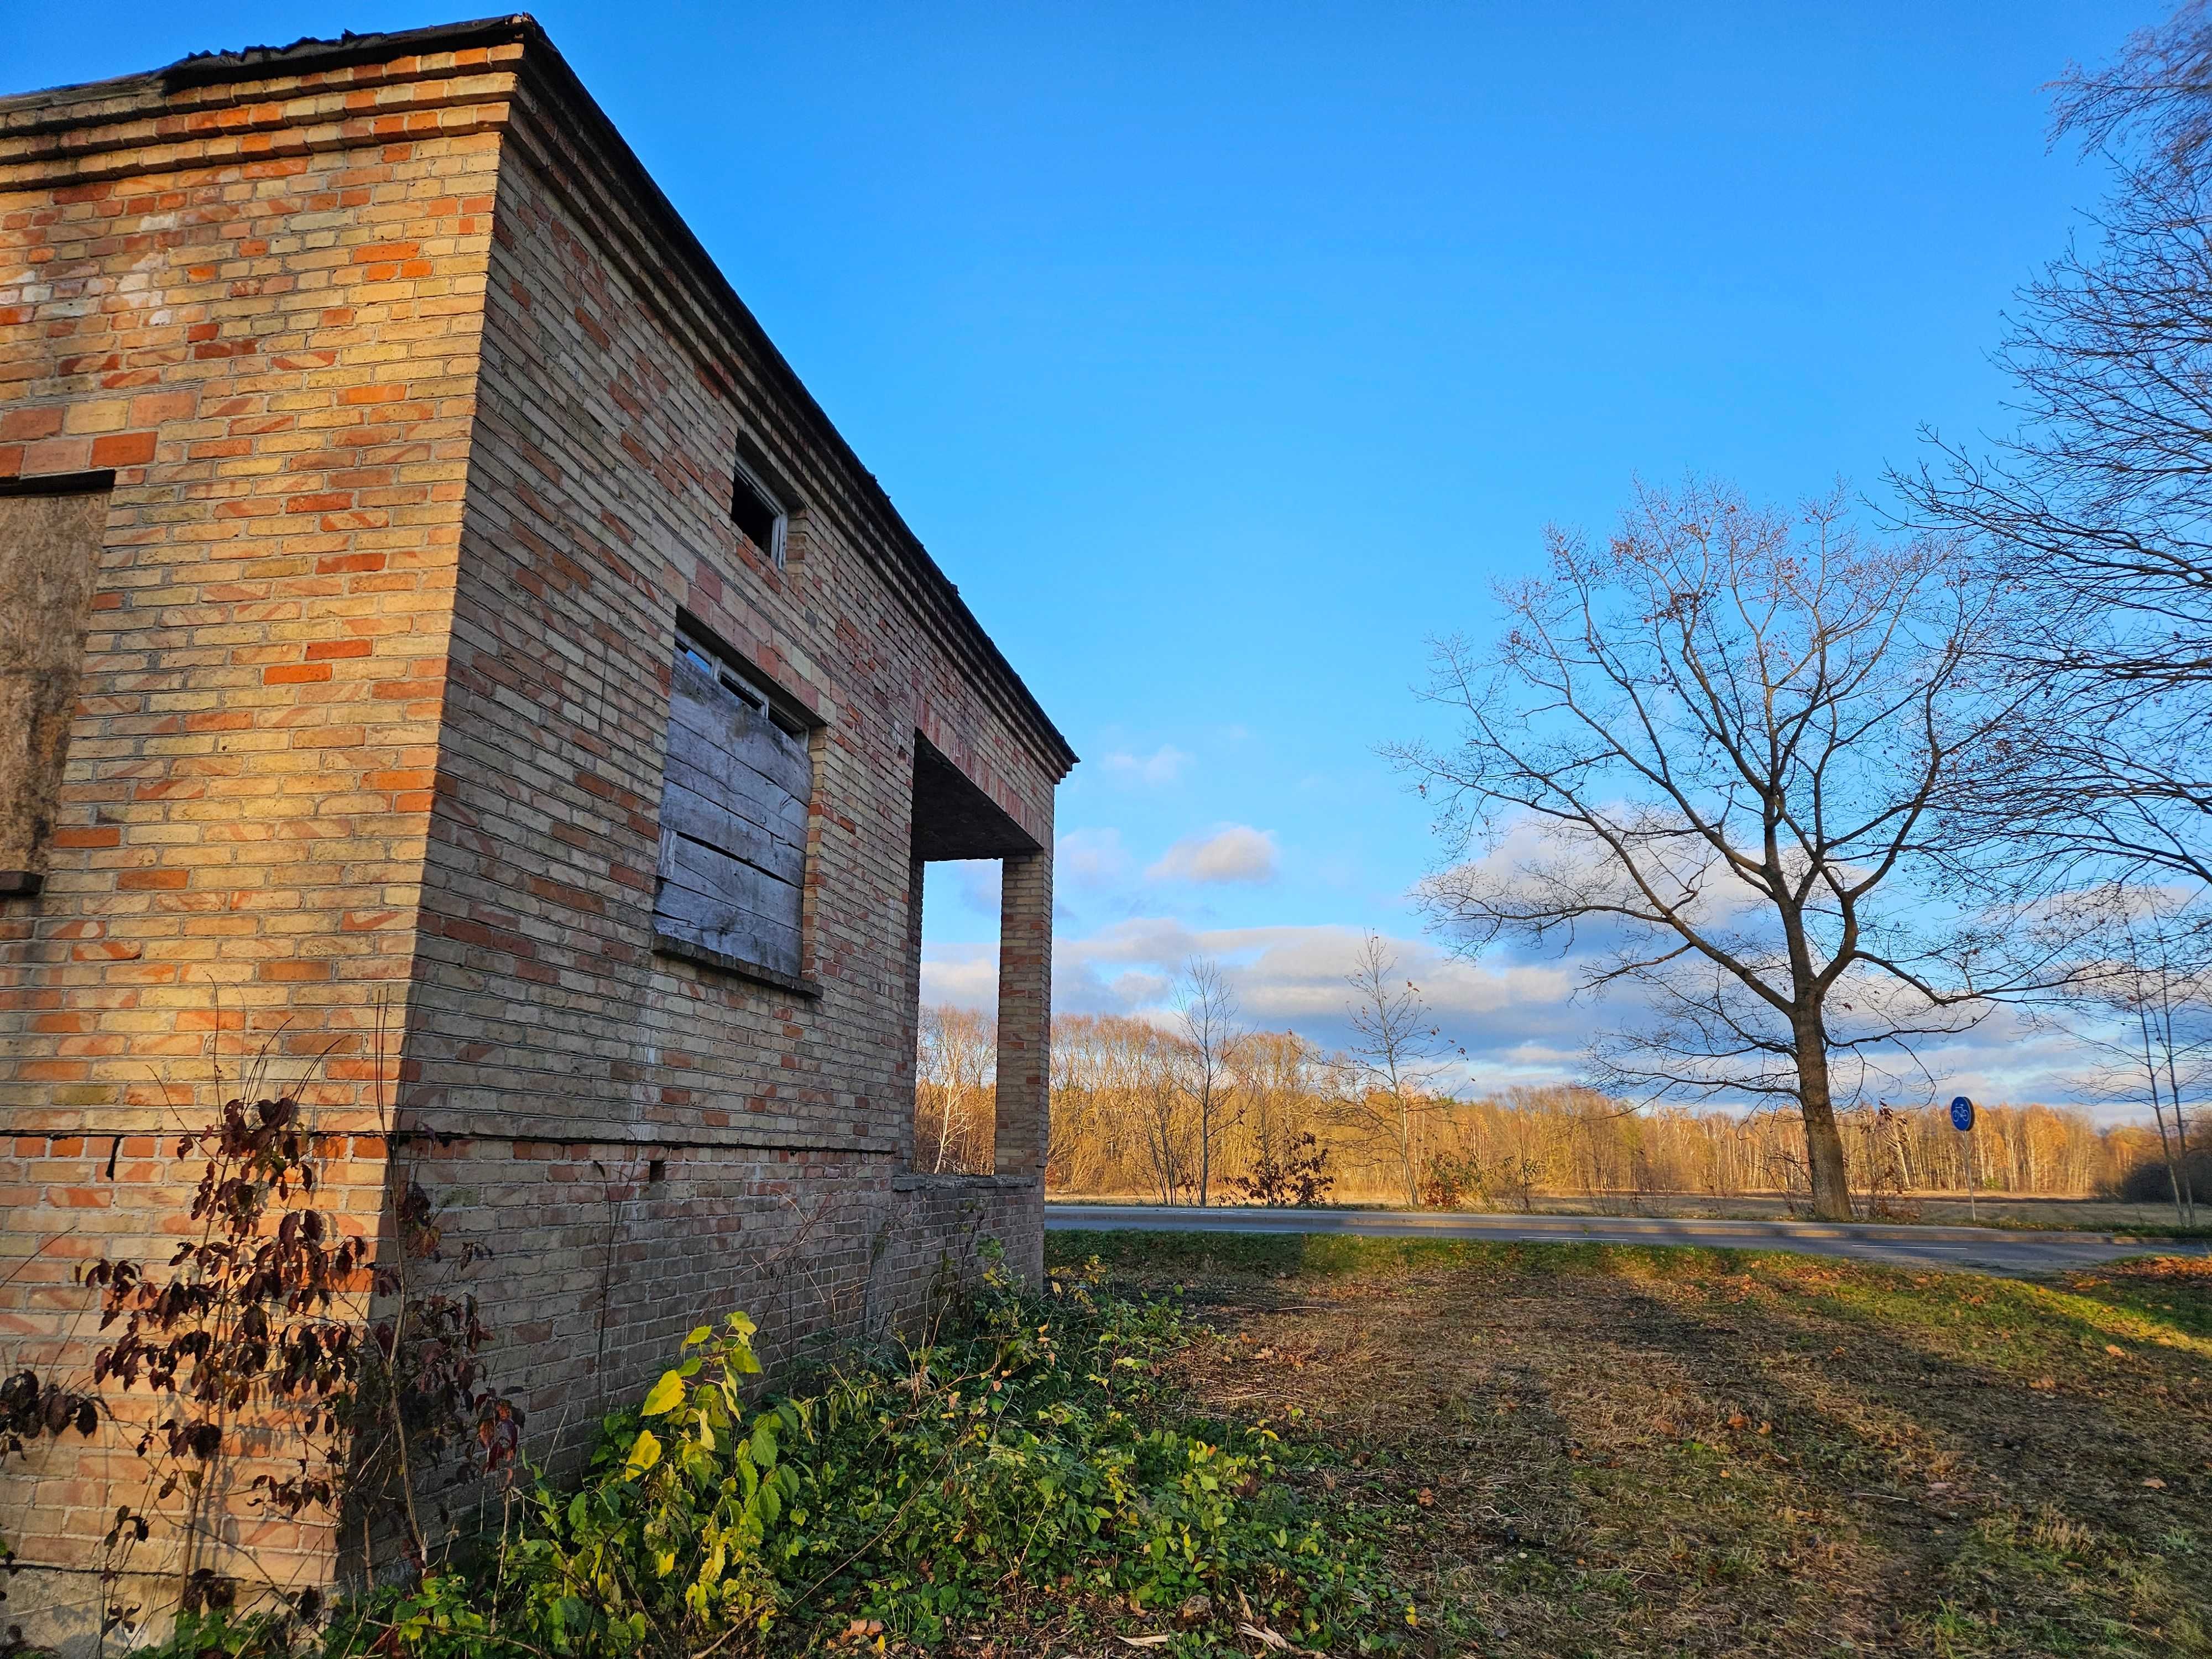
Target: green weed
[1032,1471]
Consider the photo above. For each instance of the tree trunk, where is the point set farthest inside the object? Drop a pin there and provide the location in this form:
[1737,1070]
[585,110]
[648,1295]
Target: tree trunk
[2166,1149]
[1205,1148]
[1824,1141]
[2187,1192]
[1405,1158]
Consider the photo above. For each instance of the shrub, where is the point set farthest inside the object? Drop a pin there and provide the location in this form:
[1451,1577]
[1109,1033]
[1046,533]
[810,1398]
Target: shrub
[1449,1179]
[256,1317]
[1300,1175]
[2151,1182]
[1033,1458]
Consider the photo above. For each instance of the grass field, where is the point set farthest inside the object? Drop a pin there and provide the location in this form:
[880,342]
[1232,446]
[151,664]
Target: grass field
[1927,1209]
[1592,1450]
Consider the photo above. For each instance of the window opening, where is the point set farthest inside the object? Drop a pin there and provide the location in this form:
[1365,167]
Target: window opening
[757,514]
[957,1041]
[960,839]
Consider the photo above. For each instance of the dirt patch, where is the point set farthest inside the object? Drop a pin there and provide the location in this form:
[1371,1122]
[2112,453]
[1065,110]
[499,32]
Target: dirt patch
[1601,1450]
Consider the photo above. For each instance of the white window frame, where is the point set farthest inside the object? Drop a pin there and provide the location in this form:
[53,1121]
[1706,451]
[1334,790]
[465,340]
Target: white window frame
[752,481]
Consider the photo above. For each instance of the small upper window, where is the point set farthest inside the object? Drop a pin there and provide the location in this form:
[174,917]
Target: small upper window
[757,513]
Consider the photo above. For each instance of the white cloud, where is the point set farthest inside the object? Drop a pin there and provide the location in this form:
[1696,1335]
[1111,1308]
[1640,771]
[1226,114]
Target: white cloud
[961,977]
[1236,851]
[1093,860]
[1515,1016]
[1514,1019]
[1517,1021]
[961,885]
[1156,770]
[981,882]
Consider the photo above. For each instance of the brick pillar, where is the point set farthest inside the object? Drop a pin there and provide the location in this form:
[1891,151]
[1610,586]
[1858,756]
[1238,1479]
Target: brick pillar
[1024,1106]
[908,1031]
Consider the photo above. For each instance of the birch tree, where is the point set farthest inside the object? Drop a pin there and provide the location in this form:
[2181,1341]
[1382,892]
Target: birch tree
[1206,1021]
[955,1090]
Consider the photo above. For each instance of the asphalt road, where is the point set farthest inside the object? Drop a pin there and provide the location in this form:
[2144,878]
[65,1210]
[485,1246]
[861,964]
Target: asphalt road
[1977,1249]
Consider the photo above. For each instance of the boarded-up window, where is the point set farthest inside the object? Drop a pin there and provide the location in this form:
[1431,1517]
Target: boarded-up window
[732,817]
[50,535]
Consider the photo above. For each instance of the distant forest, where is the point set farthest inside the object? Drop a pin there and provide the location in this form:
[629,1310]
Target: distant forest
[1126,1123]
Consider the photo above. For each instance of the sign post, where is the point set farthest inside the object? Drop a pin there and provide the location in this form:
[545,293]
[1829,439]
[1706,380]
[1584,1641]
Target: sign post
[1962,1120]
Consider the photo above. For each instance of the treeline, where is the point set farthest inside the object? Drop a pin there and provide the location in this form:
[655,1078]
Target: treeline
[1125,1123]
[1572,1141]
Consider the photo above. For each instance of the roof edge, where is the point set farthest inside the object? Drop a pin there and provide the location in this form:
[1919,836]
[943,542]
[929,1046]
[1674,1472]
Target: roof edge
[311,53]
[542,54]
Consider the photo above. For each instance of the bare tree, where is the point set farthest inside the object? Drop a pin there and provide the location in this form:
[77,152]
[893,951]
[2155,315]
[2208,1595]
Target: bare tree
[2100,508]
[1095,1131]
[2148,1003]
[1205,1019]
[956,1091]
[1281,1076]
[1710,750]
[1117,1105]
[1395,1060]
[1110,1071]
[1164,1122]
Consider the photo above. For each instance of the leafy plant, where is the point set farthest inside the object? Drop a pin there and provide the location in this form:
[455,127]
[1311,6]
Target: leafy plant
[673,1533]
[1300,1175]
[1449,1179]
[260,1318]
[245,1315]
[32,1407]
[1032,1466]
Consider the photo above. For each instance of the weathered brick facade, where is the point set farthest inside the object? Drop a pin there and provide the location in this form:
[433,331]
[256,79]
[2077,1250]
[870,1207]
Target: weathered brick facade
[422,409]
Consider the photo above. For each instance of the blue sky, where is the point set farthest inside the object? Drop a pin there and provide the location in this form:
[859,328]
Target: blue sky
[1222,353]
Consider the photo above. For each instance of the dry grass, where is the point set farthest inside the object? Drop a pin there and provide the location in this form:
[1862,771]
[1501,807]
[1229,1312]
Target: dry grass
[1927,1209]
[1589,1449]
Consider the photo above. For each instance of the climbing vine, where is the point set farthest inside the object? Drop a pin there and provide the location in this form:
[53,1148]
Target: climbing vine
[341,1370]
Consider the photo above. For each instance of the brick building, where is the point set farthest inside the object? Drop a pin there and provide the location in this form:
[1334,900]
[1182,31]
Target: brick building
[450,661]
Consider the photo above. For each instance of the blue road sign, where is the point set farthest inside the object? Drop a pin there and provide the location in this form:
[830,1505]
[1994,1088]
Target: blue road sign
[1962,1113]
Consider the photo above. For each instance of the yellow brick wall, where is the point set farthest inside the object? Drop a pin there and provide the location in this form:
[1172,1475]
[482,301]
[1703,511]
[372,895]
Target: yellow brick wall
[423,419]
[261,307]
[615,399]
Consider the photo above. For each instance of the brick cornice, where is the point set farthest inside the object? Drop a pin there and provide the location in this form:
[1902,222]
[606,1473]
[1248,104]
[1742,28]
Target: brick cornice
[150,123]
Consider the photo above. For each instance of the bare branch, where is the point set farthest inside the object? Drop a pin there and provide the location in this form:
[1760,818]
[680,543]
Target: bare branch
[1714,749]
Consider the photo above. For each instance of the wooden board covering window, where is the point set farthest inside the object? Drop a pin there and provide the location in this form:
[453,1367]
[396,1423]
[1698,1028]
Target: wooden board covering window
[49,558]
[732,819]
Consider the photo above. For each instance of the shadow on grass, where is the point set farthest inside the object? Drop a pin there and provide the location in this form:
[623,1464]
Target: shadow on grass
[1698,1451]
